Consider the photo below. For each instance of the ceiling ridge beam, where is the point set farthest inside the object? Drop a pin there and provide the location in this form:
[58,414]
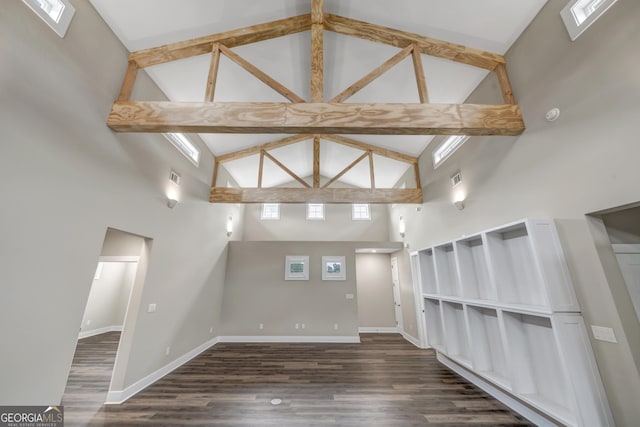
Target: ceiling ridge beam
[315,195]
[370,77]
[260,75]
[402,39]
[345,170]
[384,152]
[246,152]
[316,118]
[317,50]
[286,169]
[238,37]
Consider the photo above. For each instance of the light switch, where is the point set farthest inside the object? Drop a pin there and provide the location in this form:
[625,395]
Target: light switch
[348,296]
[152,308]
[604,334]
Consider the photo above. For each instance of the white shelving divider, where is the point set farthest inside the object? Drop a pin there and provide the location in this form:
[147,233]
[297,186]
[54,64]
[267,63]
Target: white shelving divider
[472,269]
[500,306]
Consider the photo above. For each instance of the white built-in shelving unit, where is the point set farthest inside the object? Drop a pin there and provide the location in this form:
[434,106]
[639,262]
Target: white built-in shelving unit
[501,304]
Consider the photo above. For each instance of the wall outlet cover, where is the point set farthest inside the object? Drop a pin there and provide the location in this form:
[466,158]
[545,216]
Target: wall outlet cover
[604,334]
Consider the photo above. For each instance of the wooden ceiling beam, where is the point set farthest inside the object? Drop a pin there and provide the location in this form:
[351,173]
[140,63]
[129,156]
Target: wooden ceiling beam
[213,73]
[286,169]
[316,162]
[316,118]
[345,170]
[317,50]
[315,195]
[247,152]
[402,39]
[201,45]
[384,152]
[421,81]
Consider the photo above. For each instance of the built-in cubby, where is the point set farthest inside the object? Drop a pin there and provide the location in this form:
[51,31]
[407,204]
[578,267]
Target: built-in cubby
[433,317]
[445,268]
[427,272]
[501,304]
[487,345]
[472,269]
[456,338]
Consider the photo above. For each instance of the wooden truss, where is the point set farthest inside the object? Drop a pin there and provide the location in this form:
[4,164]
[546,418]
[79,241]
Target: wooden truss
[316,118]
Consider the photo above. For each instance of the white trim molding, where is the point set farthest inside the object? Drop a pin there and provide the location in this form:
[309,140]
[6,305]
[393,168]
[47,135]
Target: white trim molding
[116,397]
[626,248]
[411,339]
[94,332]
[347,339]
[378,330]
[524,410]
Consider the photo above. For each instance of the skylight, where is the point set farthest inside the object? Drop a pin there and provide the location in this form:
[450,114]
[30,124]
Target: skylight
[185,146]
[315,211]
[270,211]
[56,13]
[447,148]
[578,15]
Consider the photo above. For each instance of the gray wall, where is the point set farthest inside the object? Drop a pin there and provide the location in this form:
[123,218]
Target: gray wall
[375,291]
[67,178]
[256,292]
[623,226]
[584,162]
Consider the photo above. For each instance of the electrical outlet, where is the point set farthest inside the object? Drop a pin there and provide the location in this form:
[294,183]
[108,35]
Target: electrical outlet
[348,296]
[211,330]
[151,309]
[260,326]
[604,334]
[297,326]
[88,322]
[335,326]
[303,326]
[167,351]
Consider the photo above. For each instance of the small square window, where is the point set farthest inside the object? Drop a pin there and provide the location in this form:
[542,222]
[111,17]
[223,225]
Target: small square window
[56,13]
[360,211]
[315,211]
[270,211]
[578,15]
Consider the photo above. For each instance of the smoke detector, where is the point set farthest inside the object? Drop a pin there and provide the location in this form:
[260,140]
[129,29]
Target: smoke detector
[552,115]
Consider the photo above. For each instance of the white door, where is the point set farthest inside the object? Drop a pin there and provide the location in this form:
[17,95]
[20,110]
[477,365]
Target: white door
[629,259]
[396,293]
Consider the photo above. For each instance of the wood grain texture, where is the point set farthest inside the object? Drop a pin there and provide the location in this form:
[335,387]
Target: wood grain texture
[129,82]
[316,162]
[377,72]
[421,81]
[315,195]
[314,118]
[384,381]
[261,75]
[216,170]
[380,151]
[246,152]
[202,45]
[286,169]
[505,84]
[416,170]
[345,170]
[317,50]
[213,73]
[260,168]
[402,39]
[371,170]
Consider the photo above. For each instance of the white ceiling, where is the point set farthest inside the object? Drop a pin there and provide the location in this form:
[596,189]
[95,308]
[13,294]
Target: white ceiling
[491,25]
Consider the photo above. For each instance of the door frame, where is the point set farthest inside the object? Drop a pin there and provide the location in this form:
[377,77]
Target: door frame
[397,305]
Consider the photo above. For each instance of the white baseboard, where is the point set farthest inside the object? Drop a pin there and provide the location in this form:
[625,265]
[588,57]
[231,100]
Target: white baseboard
[411,339]
[94,332]
[377,330]
[116,397]
[290,339]
[533,416]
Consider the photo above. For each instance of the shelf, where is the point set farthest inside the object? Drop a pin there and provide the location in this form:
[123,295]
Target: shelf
[516,274]
[514,308]
[487,346]
[472,269]
[433,319]
[427,271]
[455,332]
[445,269]
[536,369]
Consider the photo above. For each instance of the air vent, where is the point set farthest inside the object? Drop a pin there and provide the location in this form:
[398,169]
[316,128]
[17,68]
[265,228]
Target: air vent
[174,177]
[456,179]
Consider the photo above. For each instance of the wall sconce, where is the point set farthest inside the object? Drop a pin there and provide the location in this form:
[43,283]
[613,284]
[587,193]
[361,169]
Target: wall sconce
[402,227]
[458,200]
[459,204]
[171,202]
[230,226]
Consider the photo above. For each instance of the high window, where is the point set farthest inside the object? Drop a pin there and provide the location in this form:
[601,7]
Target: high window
[315,211]
[185,146]
[56,13]
[447,148]
[578,15]
[270,211]
[360,211]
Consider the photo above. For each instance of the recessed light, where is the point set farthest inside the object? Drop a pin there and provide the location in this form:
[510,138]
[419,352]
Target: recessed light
[276,401]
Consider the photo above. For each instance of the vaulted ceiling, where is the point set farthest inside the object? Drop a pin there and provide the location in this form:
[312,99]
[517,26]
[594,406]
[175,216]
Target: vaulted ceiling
[488,25]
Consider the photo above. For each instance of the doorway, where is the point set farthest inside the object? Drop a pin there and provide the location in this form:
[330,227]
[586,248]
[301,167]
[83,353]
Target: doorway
[397,305]
[110,306]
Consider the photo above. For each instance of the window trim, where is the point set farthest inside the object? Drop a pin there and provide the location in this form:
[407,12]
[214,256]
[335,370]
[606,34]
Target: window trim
[455,142]
[310,218]
[185,146]
[575,28]
[353,212]
[62,24]
[269,218]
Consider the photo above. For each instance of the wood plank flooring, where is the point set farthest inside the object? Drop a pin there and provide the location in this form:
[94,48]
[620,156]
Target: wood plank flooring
[384,381]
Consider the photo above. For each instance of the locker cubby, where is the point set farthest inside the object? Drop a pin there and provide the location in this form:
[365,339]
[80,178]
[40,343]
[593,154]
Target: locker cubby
[445,269]
[473,270]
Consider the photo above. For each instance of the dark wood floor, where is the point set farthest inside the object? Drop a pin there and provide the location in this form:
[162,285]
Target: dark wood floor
[383,381]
